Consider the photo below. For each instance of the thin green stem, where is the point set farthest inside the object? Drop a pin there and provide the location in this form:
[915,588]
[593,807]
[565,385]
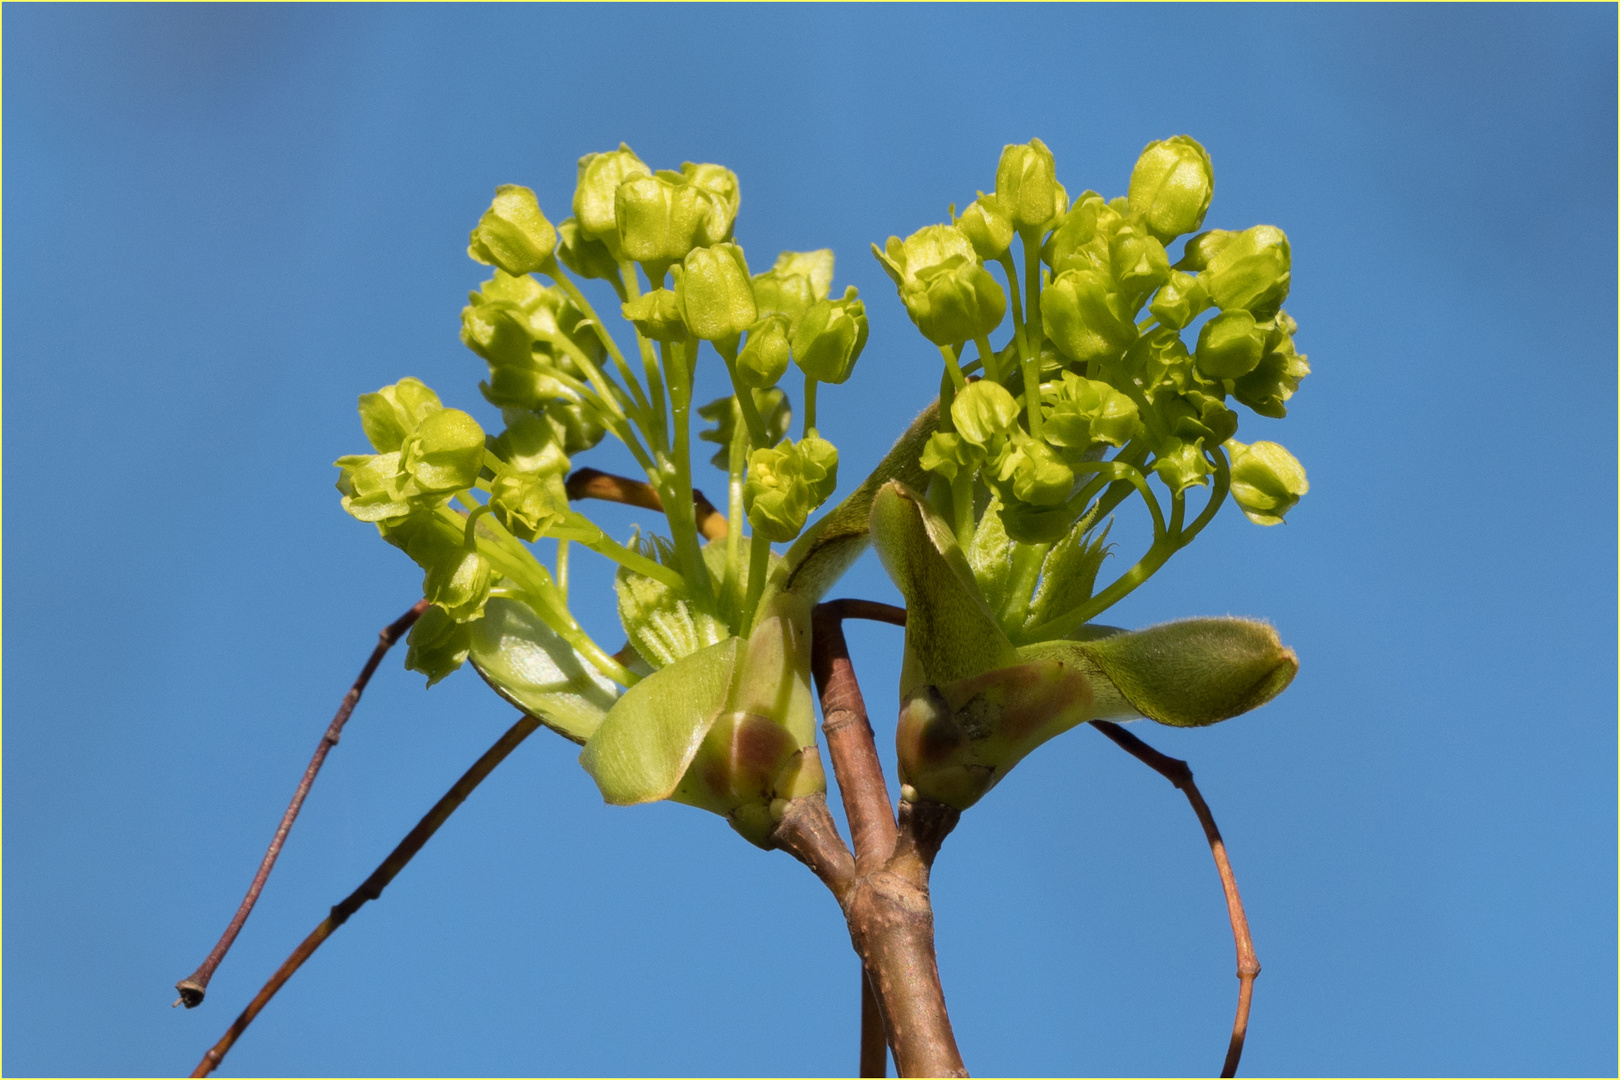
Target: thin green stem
[962,507]
[745,398]
[1121,470]
[736,462]
[953,368]
[553,270]
[1034,333]
[468,537]
[987,357]
[759,565]
[609,548]
[810,384]
[679,509]
[562,569]
[1217,495]
[649,364]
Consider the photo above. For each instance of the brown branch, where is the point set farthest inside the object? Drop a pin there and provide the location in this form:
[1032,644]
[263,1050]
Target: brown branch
[595,484]
[850,742]
[886,906]
[195,986]
[1178,773]
[373,886]
[874,1044]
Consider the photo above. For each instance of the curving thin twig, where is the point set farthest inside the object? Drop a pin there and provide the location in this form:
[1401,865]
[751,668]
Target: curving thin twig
[1180,774]
[595,484]
[373,886]
[194,987]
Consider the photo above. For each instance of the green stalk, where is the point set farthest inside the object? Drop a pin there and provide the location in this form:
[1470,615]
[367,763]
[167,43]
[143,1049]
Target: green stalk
[954,369]
[810,385]
[1217,495]
[658,434]
[553,270]
[987,358]
[736,464]
[962,507]
[682,517]
[562,569]
[745,398]
[759,564]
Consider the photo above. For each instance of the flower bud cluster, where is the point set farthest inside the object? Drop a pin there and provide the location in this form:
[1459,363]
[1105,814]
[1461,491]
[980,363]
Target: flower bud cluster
[531,336]
[1097,364]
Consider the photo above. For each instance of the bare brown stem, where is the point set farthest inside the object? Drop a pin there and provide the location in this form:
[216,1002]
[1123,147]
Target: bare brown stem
[194,987]
[373,886]
[1180,774]
[595,484]
[874,1043]
[886,905]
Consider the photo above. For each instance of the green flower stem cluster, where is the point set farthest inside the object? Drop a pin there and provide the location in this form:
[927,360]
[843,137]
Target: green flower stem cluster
[1095,396]
[466,505]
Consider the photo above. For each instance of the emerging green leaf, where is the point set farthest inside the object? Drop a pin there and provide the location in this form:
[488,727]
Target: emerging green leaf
[526,663]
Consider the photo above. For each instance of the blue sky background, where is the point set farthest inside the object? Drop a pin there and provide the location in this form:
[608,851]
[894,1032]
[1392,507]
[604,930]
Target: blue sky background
[222,224]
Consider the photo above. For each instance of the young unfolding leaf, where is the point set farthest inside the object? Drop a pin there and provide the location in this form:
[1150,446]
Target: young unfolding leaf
[1189,673]
[729,729]
[526,663]
[950,631]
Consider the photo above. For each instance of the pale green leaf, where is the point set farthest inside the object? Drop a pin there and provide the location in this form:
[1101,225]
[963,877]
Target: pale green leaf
[950,633]
[643,747]
[526,663]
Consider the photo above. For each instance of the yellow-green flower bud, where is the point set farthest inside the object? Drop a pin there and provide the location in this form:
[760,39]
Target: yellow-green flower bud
[715,296]
[1266,480]
[522,386]
[458,583]
[528,504]
[816,265]
[820,464]
[1201,248]
[929,247]
[776,492]
[1078,413]
[393,412]
[948,454]
[587,256]
[499,332]
[1138,262]
[658,218]
[1171,186]
[513,234]
[438,645]
[1180,300]
[1039,476]
[1181,464]
[720,196]
[577,429]
[373,487]
[445,452]
[1268,387]
[1081,239]
[657,314]
[830,338]
[789,295]
[1198,413]
[1086,318]
[1250,271]
[530,444]
[1027,187]
[1229,345]
[987,225]
[595,195]
[984,410]
[955,301]
[765,357]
